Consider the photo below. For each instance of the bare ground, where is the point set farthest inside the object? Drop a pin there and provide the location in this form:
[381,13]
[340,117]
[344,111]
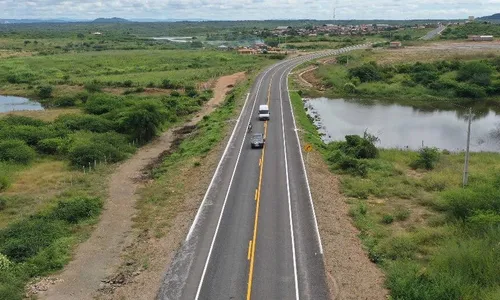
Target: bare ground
[94,272]
[350,272]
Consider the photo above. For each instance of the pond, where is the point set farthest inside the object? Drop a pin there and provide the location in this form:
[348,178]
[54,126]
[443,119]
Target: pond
[403,126]
[11,103]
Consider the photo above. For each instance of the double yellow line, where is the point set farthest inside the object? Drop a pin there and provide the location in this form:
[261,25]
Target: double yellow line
[253,242]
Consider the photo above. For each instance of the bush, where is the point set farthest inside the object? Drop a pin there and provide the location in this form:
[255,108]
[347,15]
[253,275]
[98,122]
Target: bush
[50,146]
[469,91]
[427,158]
[143,120]
[92,87]
[87,147]
[16,151]
[349,88]
[128,83]
[366,73]
[4,183]
[3,202]
[92,123]
[464,203]
[77,209]
[21,120]
[24,239]
[475,72]
[168,84]
[100,104]
[64,102]
[387,219]
[29,134]
[45,92]
[358,147]
[5,263]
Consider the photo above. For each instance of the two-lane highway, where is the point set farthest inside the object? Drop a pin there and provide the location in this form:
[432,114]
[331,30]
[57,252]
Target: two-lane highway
[255,235]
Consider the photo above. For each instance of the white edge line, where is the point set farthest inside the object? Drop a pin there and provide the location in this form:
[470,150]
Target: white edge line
[297,296]
[228,189]
[202,205]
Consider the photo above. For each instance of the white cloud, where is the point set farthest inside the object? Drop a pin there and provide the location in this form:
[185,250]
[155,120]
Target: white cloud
[248,9]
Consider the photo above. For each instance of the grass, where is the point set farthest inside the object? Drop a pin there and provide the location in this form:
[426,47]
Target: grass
[433,239]
[47,115]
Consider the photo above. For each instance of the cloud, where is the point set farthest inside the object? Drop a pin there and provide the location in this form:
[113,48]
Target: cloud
[247,9]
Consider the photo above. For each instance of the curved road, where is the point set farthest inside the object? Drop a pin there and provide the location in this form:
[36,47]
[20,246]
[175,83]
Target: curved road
[255,235]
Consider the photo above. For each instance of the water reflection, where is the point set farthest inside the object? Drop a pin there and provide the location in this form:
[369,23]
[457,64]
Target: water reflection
[11,103]
[400,126]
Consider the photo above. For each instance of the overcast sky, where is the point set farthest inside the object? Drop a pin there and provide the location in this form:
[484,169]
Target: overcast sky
[248,9]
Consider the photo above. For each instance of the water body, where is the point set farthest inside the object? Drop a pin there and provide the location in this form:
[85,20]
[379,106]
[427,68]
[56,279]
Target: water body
[175,39]
[11,103]
[403,126]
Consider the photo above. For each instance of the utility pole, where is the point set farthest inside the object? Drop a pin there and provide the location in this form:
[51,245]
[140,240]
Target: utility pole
[466,166]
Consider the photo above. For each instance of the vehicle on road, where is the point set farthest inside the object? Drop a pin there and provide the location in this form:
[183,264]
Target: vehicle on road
[249,129]
[257,140]
[264,112]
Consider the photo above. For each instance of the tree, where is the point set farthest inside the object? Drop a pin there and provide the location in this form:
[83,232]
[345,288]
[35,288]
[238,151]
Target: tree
[143,119]
[475,72]
[366,72]
[45,92]
[80,36]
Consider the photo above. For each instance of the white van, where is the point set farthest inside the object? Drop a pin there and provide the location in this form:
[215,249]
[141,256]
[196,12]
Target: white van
[263,112]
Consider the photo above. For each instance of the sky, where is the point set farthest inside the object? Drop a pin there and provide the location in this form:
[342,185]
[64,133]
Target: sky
[248,9]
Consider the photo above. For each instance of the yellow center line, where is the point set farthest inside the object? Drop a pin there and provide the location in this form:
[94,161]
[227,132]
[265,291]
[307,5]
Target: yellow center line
[249,249]
[251,254]
[254,239]
[256,193]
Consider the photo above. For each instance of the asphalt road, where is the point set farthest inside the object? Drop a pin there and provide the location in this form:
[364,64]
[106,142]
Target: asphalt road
[255,235]
[433,33]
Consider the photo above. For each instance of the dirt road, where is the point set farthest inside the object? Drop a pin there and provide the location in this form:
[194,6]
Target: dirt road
[98,258]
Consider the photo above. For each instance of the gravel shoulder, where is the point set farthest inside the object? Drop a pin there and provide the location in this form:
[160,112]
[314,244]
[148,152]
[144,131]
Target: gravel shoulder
[97,261]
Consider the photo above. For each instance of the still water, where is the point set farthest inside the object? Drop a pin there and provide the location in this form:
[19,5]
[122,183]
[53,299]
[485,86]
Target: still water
[11,103]
[178,39]
[403,126]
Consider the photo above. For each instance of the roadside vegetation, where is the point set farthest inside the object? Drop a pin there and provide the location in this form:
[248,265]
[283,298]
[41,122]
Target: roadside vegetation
[440,83]
[461,32]
[434,238]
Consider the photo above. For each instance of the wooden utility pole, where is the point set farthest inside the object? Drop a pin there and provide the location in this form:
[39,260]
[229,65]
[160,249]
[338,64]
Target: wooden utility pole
[466,165]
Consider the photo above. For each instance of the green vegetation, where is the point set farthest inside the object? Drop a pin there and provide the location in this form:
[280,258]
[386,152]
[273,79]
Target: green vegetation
[433,238]
[474,28]
[41,243]
[439,84]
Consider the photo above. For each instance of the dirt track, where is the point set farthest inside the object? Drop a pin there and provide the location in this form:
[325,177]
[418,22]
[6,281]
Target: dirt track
[99,257]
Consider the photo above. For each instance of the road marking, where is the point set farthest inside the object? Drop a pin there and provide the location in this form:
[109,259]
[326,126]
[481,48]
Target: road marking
[255,227]
[256,193]
[198,213]
[260,162]
[230,182]
[249,249]
[288,191]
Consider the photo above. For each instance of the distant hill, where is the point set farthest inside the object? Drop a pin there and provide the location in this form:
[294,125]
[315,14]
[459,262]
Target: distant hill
[111,20]
[492,17]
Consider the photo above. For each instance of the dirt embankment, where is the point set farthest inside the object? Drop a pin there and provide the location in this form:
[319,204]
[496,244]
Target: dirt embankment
[93,271]
[350,273]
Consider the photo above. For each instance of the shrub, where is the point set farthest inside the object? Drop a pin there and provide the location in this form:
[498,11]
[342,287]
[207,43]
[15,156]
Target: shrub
[402,214]
[64,102]
[469,91]
[4,184]
[175,94]
[387,219]
[128,83]
[100,104]
[366,72]
[464,203]
[21,120]
[16,151]
[475,72]
[24,239]
[87,147]
[50,146]
[3,202]
[29,134]
[349,87]
[84,122]
[143,119]
[92,87]
[168,84]
[77,209]
[358,147]
[45,92]
[427,158]
[5,263]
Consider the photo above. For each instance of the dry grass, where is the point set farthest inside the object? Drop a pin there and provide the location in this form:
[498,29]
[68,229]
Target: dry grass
[35,188]
[47,115]
[432,52]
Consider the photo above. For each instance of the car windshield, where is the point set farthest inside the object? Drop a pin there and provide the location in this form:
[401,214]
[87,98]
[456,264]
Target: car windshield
[257,136]
[264,111]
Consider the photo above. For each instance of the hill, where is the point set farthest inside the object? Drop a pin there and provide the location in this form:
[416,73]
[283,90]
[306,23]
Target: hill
[111,20]
[492,17]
